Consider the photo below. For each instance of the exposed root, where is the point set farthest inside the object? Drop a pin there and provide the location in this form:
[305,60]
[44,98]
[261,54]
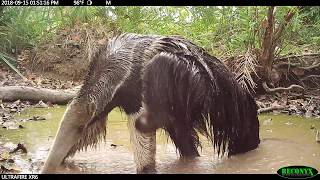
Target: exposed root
[279,89]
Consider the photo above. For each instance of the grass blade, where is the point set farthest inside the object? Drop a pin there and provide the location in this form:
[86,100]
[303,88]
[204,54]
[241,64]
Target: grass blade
[5,59]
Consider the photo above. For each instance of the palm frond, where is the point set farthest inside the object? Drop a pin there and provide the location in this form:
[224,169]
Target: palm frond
[245,69]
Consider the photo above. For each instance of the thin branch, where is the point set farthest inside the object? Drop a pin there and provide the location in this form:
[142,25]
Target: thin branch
[280,29]
[296,65]
[271,108]
[310,76]
[313,97]
[311,67]
[296,56]
[286,65]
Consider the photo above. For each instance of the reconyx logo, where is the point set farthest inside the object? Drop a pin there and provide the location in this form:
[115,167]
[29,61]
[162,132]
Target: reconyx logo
[297,172]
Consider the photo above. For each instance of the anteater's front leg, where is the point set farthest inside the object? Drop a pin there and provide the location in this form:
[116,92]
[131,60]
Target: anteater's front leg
[83,123]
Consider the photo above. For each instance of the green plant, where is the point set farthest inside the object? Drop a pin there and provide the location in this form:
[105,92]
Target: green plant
[223,31]
[6,59]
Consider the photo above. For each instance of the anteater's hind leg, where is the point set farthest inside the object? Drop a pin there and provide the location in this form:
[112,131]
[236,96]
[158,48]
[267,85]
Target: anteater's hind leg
[185,139]
[144,145]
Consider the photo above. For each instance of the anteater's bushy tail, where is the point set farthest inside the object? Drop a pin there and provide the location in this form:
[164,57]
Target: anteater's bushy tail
[183,95]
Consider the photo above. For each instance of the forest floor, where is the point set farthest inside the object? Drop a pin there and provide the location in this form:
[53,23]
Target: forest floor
[304,104]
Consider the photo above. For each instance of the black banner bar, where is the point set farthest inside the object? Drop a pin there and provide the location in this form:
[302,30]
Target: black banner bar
[154,2]
[136,176]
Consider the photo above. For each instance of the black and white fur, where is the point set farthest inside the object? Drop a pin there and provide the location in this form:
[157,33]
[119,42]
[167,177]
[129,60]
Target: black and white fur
[159,82]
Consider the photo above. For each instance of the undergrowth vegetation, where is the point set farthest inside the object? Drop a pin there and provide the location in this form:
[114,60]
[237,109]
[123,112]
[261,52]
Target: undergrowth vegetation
[223,31]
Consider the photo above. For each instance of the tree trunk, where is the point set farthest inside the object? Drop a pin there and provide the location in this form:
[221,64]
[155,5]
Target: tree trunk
[267,51]
[271,39]
[24,93]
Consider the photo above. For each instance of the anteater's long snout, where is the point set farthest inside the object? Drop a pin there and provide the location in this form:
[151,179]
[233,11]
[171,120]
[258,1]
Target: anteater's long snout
[73,120]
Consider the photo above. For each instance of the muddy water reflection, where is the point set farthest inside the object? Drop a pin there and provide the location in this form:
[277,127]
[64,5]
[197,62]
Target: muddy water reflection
[286,140]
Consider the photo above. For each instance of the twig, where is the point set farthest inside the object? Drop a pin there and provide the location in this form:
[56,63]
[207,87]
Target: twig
[313,97]
[286,65]
[296,56]
[310,67]
[294,95]
[271,108]
[310,76]
[295,65]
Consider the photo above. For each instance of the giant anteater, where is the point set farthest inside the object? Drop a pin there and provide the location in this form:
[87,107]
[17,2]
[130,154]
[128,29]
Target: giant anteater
[159,82]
